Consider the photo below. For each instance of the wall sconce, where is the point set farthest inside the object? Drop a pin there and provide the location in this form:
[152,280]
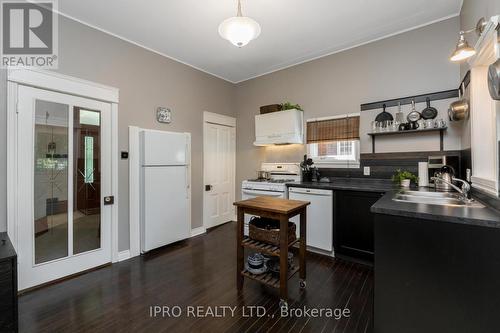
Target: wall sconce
[463,50]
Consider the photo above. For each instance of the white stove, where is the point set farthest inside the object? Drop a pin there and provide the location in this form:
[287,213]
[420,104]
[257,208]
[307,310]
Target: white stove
[281,174]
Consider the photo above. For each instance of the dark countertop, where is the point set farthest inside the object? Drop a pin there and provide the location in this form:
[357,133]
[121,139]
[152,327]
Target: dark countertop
[6,250]
[486,217]
[352,184]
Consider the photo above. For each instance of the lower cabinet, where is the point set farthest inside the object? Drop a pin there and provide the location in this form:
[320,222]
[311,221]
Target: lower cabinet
[354,223]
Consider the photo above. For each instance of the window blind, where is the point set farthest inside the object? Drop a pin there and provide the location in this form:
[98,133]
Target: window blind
[333,129]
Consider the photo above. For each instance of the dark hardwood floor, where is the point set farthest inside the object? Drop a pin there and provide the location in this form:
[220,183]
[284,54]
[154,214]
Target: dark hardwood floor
[197,272]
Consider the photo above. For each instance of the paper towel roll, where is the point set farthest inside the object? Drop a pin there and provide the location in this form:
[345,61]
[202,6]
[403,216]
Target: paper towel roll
[423,174]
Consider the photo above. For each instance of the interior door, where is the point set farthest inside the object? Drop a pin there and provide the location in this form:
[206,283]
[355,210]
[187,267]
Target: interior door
[64,153]
[219,170]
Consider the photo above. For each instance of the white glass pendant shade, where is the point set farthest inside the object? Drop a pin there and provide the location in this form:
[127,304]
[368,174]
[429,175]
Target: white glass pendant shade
[239,30]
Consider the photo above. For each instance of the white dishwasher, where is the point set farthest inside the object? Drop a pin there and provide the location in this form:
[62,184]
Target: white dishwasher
[319,216]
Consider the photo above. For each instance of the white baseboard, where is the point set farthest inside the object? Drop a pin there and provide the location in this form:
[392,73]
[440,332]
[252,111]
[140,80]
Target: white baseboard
[198,231]
[123,255]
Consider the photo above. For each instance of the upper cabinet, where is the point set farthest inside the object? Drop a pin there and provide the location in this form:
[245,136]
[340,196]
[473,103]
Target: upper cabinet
[485,113]
[282,127]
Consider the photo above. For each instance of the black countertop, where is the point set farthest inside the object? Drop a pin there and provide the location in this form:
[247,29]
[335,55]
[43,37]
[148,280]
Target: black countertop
[6,249]
[486,217]
[351,184]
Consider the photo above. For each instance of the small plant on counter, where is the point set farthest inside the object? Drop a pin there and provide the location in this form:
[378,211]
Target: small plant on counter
[404,177]
[290,106]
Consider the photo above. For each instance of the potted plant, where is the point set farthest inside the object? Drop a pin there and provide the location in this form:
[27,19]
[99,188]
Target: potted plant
[290,106]
[404,178]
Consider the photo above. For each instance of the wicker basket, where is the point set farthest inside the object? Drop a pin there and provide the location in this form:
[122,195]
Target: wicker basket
[268,230]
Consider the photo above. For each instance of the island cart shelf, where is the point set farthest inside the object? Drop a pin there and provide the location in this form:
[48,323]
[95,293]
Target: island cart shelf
[281,210]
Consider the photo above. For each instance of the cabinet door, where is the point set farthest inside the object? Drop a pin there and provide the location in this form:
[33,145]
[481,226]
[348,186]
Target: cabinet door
[8,302]
[354,223]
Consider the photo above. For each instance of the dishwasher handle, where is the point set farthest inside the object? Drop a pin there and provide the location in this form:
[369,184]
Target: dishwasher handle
[310,191]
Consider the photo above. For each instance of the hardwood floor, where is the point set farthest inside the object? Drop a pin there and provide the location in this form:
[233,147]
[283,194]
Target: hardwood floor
[197,272]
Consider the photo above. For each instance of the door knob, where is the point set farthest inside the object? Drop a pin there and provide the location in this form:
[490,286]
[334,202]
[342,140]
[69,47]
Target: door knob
[208,188]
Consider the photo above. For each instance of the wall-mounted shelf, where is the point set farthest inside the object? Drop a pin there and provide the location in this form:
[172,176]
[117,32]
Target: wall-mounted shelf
[407,100]
[425,130]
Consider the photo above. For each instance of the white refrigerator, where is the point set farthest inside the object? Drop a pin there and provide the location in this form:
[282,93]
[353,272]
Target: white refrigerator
[165,188]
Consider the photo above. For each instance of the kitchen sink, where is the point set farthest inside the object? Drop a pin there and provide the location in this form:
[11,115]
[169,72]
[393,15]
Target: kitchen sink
[435,198]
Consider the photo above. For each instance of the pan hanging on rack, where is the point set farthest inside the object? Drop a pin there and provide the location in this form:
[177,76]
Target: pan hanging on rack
[384,116]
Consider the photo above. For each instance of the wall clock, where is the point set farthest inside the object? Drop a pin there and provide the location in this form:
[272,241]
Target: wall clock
[164,115]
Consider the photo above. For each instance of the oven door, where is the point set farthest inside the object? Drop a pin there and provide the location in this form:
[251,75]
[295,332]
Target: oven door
[250,194]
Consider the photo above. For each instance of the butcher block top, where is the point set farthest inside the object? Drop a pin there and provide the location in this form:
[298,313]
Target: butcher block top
[274,205]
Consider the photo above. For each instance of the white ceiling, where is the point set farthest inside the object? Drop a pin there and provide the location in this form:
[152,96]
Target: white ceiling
[293,31]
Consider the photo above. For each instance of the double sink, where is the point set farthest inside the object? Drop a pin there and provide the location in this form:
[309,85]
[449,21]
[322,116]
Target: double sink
[435,198]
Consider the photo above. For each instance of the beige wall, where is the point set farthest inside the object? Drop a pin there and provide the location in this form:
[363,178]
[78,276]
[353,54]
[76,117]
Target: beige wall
[146,81]
[407,64]
[411,63]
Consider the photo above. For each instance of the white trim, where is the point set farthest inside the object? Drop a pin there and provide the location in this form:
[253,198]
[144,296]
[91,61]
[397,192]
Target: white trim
[486,185]
[114,183]
[12,137]
[53,81]
[278,67]
[300,62]
[141,46]
[123,255]
[198,231]
[341,116]
[134,191]
[219,119]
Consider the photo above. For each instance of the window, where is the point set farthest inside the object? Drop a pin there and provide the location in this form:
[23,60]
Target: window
[334,142]
[335,153]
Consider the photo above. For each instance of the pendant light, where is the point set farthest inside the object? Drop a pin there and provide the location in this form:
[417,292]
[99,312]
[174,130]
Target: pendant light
[239,30]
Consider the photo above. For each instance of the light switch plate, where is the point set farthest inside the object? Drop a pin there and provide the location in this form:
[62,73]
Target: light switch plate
[366,171]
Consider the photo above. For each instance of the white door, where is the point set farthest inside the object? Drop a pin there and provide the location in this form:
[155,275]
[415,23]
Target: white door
[219,173]
[64,153]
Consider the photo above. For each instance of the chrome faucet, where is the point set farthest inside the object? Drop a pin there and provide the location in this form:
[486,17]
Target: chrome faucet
[463,190]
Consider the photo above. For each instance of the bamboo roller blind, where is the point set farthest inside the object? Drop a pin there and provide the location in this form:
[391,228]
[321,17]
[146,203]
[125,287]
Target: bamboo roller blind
[333,129]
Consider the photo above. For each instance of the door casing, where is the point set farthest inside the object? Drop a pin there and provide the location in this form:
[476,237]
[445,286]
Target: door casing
[51,81]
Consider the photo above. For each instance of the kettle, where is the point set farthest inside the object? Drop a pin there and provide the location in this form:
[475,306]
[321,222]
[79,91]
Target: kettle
[446,173]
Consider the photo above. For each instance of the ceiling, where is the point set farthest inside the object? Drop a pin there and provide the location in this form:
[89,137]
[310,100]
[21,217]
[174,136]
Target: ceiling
[293,31]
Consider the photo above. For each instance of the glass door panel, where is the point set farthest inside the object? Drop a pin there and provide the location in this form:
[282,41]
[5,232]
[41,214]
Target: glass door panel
[51,181]
[87,180]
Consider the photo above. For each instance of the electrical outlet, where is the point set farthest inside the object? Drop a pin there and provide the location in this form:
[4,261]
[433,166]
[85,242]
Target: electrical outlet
[366,171]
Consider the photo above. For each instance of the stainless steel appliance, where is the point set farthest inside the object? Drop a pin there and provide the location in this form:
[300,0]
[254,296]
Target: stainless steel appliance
[434,165]
[279,175]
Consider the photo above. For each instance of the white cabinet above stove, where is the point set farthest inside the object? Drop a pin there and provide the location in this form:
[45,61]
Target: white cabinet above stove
[277,128]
